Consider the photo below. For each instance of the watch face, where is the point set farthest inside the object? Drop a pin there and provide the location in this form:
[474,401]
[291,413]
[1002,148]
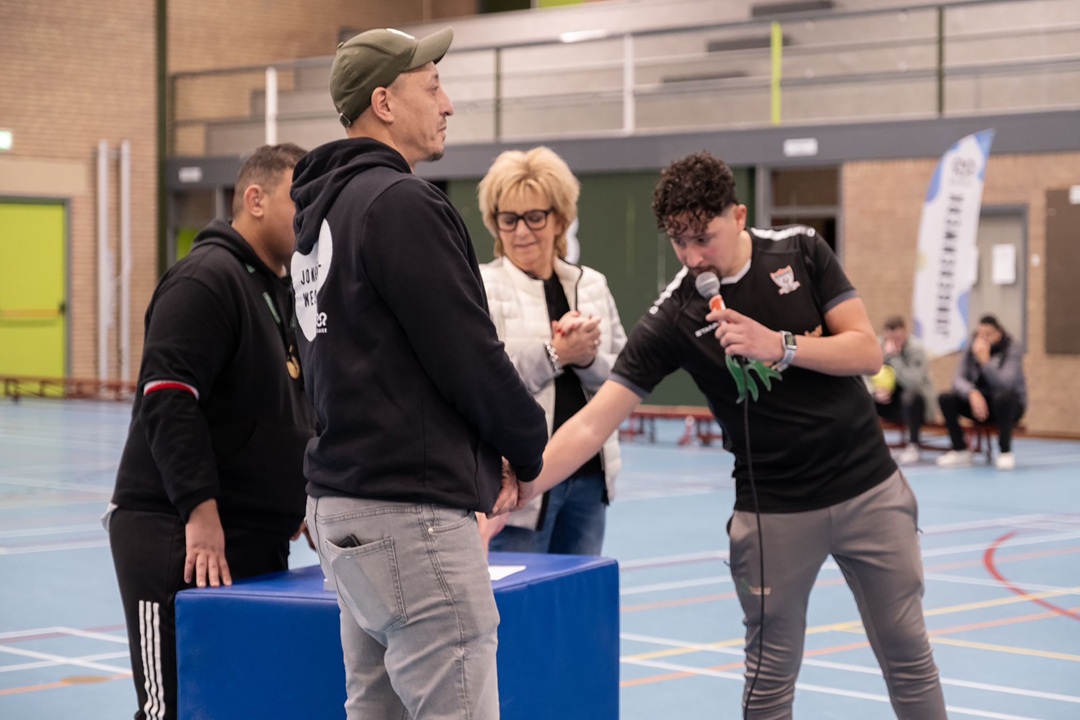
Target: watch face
[789,341]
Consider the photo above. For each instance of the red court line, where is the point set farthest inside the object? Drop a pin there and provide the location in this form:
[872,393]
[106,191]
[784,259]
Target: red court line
[991,567]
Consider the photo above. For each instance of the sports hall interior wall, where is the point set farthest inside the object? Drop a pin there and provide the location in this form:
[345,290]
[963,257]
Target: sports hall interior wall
[82,72]
[76,73]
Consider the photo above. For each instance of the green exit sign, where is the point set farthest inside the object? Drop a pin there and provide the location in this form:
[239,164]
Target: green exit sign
[6,139]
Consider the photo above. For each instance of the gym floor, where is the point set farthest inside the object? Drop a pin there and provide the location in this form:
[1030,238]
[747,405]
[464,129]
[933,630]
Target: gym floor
[1000,553]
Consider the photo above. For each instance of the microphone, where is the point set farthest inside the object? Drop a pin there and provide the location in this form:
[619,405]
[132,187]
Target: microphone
[708,287]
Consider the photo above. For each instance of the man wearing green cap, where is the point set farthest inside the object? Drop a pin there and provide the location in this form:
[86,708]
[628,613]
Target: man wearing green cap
[416,399]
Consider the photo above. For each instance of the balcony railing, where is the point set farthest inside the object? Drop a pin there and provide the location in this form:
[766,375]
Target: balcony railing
[822,67]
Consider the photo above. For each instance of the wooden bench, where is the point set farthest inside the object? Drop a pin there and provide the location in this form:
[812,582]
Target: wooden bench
[69,388]
[698,422]
[979,436]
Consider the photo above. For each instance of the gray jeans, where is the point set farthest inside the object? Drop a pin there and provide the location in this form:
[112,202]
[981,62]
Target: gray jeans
[873,538]
[418,617]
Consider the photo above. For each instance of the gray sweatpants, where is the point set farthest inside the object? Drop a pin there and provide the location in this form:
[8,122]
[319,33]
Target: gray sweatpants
[874,539]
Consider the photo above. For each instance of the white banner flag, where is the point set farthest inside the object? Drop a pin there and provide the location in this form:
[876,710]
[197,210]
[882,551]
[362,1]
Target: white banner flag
[948,259]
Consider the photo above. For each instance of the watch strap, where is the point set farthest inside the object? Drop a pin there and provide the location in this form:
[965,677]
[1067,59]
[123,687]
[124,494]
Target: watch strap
[790,346]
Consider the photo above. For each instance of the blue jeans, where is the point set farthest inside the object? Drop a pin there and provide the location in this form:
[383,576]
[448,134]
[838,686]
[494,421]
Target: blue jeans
[418,617]
[573,525]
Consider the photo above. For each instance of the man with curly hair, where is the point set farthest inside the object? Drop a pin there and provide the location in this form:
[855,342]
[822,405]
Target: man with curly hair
[779,361]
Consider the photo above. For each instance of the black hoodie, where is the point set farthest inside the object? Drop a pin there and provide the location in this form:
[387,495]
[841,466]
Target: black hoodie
[231,423]
[414,394]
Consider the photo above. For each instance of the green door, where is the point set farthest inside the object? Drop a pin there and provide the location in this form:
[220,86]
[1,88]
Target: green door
[33,292]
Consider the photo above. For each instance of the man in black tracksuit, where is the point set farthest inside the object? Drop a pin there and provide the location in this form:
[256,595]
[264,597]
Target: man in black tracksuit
[210,485]
[415,397]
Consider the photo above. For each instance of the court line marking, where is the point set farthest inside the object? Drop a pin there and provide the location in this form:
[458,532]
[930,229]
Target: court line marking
[953,709]
[54,485]
[991,567]
[665,560]
[1009,649]
[837,581]
[678,585]
[726,580]
[51,663]
[848,667]
[964,580]
[51,530]
[59,684]
[53,547]
[61,660]
[1011,521]
[829,565]
[94,635]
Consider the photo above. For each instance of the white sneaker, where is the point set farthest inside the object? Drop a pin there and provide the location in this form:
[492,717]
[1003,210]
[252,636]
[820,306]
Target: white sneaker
[955,458]
[909,455]
[1006,461]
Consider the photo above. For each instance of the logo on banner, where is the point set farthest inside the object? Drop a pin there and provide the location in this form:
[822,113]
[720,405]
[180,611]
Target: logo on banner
[946,268]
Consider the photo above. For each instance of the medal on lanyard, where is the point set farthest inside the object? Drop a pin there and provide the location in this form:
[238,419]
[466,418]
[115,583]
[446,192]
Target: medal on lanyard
[292,363]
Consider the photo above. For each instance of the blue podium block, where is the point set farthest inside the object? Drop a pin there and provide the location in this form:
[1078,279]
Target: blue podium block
[270,648]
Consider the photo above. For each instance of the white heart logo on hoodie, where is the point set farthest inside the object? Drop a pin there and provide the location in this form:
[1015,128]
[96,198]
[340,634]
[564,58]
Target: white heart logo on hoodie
[308,275]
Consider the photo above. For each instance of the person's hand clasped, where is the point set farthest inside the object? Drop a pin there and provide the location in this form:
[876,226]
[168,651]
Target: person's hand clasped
[576,339]
[508,493]
[205,563]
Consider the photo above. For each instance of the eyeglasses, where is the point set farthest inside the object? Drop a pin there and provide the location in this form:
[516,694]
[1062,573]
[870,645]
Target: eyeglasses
[534,219]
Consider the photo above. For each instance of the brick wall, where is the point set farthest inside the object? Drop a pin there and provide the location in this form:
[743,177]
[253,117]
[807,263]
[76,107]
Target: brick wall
[79,72]
[882,204]
[76,73]
[205,35]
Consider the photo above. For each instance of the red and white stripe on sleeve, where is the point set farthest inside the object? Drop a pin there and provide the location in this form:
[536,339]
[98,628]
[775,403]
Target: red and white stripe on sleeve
[155,385]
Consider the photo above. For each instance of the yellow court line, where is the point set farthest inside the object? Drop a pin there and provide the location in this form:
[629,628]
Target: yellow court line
[856,627]
[1006,649]
[671,652]
[1003,601]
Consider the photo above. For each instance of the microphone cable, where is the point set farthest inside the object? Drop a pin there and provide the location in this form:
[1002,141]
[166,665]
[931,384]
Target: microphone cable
[761,549]
[707,285]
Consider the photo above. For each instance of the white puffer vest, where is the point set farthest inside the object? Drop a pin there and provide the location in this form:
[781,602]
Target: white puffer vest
[519,310]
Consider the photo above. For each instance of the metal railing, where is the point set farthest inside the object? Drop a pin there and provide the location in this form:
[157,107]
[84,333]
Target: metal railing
[901,62]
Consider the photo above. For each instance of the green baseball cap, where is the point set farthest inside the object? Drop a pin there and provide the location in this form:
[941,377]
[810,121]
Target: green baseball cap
[374,59]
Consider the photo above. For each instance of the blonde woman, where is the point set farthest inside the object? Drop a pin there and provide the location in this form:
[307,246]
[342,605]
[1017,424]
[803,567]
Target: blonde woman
[562,332]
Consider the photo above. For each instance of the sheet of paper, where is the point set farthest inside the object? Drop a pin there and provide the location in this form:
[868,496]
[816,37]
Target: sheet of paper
[498,572]
[1004,264]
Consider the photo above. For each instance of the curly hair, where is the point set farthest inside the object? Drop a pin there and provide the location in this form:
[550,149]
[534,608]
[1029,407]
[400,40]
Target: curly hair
[515,172]
[691,192]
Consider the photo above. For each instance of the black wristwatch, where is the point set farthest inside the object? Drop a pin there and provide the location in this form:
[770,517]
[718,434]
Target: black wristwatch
[789,351]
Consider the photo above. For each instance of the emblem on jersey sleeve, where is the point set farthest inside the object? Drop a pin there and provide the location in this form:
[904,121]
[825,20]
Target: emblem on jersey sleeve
[785,280]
